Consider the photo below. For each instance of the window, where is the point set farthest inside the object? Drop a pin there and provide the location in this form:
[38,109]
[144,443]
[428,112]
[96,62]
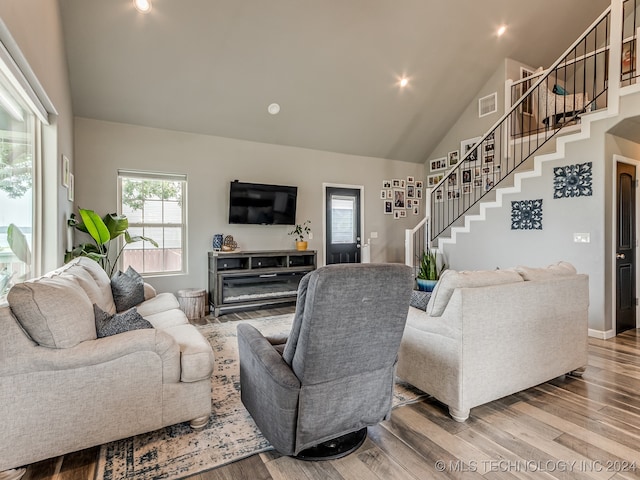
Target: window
[18,126]
[343,219]
[154,204]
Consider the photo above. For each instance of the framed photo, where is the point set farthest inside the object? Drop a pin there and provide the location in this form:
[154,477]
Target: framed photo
[467,145]
[439,197]
[466,176]
[402,184]
[488,158]
[389,194]
[454,157]
[411,191]
[396,214]
[487,170]
[65,171]
[403,213]
[488,182]
[409,204]
[398,198]
[395,182]
[433,180]
[416,209]
[418,193]
[454,193]
[383,194]
[419,184]
[388,207]
[477,182]
[410,180]
[386,184]
[438,164]
[71,188]
[452,180]
[477,172]
[466,189]
[497,169]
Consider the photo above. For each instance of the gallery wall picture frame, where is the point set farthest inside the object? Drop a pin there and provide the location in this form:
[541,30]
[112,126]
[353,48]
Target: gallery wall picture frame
[433,180]
[410,180]
[419,184]
[66,170]
[386,184]
[388,207]
[383,194]
[466,145]
[411,191]
[437,164]
[398,198]
[439,195]
[454,157]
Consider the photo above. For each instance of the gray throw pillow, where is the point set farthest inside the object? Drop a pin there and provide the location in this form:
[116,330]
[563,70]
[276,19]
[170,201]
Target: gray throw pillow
[420,299]
[127,289]
[107,325]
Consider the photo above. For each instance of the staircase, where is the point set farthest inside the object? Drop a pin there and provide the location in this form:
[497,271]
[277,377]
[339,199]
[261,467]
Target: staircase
[536,129]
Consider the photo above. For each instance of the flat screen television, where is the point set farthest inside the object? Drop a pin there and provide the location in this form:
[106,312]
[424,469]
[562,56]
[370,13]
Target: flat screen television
[261,204]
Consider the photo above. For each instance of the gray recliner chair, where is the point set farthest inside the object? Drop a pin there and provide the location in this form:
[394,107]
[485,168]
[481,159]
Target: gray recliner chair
[314,395]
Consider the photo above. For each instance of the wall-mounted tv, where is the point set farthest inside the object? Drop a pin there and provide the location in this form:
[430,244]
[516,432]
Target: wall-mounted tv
[261,204]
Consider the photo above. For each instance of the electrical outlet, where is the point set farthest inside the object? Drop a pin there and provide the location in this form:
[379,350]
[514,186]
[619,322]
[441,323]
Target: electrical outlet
[310,235]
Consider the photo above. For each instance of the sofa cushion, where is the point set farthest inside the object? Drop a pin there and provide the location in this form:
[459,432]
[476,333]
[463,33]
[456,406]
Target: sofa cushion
[112,324]
[560,269]
[55,311]
[168,318]
[196,356]
[452,279]
[93,280]
[158,304]
[127,289]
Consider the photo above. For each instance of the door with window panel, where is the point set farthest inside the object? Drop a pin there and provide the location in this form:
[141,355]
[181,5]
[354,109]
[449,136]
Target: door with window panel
[343,237]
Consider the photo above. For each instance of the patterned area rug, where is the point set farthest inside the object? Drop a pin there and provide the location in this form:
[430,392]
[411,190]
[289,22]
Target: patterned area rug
[178,451]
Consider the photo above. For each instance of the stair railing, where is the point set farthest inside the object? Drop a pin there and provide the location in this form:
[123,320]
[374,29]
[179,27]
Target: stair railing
[575,84]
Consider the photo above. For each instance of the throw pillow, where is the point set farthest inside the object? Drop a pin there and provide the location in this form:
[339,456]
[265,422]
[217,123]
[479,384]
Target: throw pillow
[558,90]
[107,325]
[420,299]
[127,289]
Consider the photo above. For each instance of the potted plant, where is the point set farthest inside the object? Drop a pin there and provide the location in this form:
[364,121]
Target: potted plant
[299,234]
[102,231]
[429,274]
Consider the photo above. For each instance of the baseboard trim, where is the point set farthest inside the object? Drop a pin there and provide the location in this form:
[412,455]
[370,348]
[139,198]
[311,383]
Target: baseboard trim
[602,334]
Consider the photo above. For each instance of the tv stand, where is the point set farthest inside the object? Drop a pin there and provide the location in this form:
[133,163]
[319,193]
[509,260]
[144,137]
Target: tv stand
[249,279]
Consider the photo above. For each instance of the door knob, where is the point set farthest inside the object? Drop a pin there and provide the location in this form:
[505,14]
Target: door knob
[619,256]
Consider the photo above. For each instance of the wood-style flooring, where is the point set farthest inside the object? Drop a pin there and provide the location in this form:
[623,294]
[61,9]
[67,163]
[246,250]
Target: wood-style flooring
[568,428]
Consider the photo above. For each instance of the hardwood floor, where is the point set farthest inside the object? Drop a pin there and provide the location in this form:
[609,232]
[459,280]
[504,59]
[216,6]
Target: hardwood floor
[568,428]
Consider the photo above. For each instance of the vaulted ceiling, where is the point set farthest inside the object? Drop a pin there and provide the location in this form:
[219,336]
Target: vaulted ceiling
[213,66]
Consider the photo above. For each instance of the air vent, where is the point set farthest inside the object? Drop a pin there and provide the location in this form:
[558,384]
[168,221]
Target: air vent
[488,105]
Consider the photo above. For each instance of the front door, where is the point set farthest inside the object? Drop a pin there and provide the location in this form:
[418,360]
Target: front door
[343,240]
[625,247]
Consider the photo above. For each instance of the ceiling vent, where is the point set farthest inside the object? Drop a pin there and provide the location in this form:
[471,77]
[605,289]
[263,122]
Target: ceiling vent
[488,105]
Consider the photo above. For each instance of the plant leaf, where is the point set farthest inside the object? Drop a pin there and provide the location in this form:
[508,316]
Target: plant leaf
[139,238]
[116,224]
[95,226]
[18,243]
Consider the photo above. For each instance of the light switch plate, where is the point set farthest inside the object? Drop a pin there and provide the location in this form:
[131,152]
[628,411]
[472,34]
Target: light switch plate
[582,237]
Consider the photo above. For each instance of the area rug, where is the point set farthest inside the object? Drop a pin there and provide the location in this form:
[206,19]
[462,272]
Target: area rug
[178,451]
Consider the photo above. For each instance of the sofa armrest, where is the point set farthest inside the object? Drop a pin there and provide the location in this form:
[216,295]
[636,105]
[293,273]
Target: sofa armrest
[99,351]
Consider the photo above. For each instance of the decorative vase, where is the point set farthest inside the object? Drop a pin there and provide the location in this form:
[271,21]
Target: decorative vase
[426,285]
[301,245]
[217,241]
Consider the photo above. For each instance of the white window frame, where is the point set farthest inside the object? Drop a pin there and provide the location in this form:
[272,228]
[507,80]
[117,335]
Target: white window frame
[158,176]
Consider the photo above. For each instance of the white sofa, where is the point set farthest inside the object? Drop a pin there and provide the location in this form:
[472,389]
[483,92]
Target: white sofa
[489,334]
[70,390]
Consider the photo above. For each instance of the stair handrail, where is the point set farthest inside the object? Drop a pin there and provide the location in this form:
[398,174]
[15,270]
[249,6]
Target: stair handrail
[506,116]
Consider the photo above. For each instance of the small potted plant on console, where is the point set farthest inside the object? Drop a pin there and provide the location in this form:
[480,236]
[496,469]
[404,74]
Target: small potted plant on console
[429,274]
[299,233]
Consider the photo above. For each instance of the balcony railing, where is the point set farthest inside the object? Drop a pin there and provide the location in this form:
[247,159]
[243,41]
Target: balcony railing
[554,99]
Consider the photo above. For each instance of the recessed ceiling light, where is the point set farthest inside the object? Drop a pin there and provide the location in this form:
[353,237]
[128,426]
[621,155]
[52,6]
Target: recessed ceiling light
[273,109]
[143,6]
[404,81]
[501,30]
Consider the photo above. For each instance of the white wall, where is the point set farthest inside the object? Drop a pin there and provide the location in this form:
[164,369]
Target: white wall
[210,163]
[35,41]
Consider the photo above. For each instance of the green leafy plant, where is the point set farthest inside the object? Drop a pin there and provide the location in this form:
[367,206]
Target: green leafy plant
[429,266]
[300,231]
[102,231]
